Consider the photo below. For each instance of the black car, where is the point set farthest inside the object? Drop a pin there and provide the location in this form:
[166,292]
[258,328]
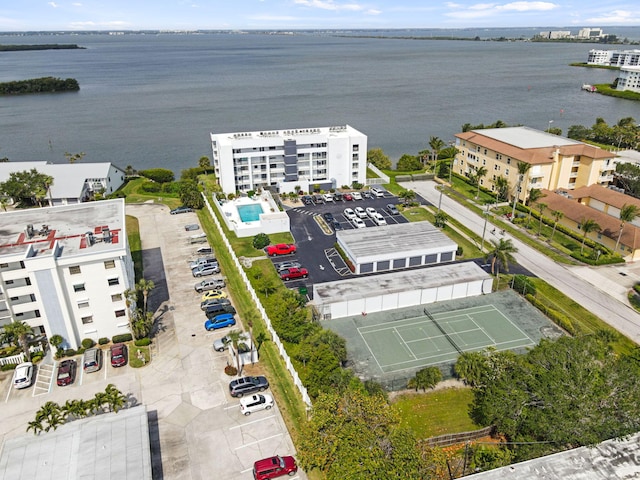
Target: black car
[213,310]
[337,225]
[328,217]
[245,385]
[317,198]
[178,210]
[337,197]
[307,200]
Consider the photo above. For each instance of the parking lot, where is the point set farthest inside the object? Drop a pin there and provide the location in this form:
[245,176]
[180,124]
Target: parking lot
[315,239]
[196,428]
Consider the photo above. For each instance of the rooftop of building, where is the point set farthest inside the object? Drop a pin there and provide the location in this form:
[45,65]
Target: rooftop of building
[110,446]
[610,460]
[234,137]
[530,145]
[395,241]
[68,178]
[397,281]
[76,229]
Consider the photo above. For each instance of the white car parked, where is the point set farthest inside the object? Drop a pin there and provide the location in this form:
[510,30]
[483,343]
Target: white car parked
[349,213]
[378,219]
[361,213]
[371,212]
[23,375]
[358,223]
[255,403]
[356,195]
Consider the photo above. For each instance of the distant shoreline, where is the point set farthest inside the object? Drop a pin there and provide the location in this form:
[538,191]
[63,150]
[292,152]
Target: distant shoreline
[39,85]
[48,46]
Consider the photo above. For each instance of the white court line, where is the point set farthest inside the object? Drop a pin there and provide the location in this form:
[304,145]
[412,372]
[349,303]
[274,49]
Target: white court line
[258,441]
[251,423]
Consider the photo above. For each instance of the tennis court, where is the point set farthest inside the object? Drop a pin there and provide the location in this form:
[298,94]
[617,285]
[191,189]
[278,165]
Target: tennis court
[431,339]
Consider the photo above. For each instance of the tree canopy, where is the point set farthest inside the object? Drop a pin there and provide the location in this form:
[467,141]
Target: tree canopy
[28,187]
[376,157]
[564,393]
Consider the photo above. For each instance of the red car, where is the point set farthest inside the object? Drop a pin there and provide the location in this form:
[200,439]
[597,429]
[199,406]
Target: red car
[289,273]
[280,249]
[348,197]
[118,355]
[66,372]
[274,467]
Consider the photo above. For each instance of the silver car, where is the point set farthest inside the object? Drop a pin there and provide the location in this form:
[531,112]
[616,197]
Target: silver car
[23,375]
[209,284]
[255,403]
[286,265]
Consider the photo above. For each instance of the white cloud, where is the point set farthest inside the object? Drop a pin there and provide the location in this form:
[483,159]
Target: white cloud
[617,17]
[53,4]
[480,10]
[77,4]
[90,25]
[330,5]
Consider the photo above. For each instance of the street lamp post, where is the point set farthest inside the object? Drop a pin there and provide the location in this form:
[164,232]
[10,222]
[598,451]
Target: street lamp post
[549,126]
[484,229]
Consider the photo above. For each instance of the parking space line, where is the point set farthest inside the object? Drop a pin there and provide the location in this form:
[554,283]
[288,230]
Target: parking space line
[258,441]
[251,423]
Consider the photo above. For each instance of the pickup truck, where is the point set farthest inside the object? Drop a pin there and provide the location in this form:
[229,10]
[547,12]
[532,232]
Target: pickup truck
[289,273]
[280,249]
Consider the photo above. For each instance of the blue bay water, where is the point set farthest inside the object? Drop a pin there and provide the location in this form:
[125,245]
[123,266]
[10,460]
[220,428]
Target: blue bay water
[152,100]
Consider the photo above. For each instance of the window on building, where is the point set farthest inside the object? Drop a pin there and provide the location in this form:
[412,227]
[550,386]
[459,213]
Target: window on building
[83,304]
[356,148]
[4,265]
[109,264]
[508,161]
[114,281]
[120,313]
[86,320]
[506,172]
[116,297]
[484,162]
[79,288]
[74,270]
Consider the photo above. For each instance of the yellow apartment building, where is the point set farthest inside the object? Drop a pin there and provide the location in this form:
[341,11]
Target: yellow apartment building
[555,162]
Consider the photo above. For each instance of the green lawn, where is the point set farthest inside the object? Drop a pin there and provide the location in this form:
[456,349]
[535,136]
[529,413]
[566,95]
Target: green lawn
[135,245]
[135,195]
[436,413]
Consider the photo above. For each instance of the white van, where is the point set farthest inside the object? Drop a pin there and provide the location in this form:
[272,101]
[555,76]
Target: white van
[377,191]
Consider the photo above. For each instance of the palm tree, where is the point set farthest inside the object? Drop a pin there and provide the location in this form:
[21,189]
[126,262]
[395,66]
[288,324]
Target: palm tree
[436,145]
[98,402]
[502,187]
[542,207]
[407,196]
[19,333]
[501,255]
[145,286]
[50,413]
[587,226]
[478,176]
[116,400]
[75,409]
[523,169]
[557,215]
[36,426]
[627,214]
[534,195]
[55,341]
[441,219]
[235,336]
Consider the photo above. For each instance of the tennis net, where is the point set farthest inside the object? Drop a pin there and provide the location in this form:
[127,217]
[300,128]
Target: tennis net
[446,335]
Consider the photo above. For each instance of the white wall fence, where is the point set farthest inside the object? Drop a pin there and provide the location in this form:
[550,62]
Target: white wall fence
[377,181]
[261,310]
[19,358]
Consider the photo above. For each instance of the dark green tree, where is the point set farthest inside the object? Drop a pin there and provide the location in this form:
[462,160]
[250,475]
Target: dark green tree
[425,378]
[588,225]
[190,194]
[501,255]
[159,175]
[260,241]
[408,163]
[27,187]
[376,157]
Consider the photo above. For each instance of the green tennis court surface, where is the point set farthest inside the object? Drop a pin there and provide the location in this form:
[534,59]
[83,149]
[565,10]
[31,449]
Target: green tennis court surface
[434,338]
[391,346]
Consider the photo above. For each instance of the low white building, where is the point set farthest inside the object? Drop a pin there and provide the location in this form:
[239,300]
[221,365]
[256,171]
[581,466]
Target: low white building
[64,270]
[629,79]
[306,158]
[390,291]
[394,247]
[72,182]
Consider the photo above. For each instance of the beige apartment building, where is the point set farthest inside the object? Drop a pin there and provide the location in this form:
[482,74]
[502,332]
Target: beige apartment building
[555,162]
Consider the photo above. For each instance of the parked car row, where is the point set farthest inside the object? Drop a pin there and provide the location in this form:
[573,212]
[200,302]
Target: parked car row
[373,192]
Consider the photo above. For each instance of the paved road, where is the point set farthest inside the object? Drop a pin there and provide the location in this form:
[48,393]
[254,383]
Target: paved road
[602,290]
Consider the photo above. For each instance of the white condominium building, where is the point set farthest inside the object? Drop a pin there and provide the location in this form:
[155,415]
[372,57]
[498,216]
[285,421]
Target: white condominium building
[64,270]
[614,58]
[629,79]
[304,158]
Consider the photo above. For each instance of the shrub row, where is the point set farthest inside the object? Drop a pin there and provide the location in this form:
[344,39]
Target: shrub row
[559,318]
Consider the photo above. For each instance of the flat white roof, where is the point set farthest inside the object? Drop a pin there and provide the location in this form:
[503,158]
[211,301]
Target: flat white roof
[401,240]
[525,137]
[112,446]
[284,134]
[66,227]
[396,281]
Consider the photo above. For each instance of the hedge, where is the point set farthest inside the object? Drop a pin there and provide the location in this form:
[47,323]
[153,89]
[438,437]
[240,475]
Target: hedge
[8,366]
[559,318]
[125,337]
[143,342]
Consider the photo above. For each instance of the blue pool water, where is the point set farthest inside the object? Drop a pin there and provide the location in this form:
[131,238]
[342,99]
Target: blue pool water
[250,213]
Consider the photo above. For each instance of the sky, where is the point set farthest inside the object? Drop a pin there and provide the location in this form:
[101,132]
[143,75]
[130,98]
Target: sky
[43,15]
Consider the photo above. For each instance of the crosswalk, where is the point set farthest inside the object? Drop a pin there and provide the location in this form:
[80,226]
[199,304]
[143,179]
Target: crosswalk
[43,379]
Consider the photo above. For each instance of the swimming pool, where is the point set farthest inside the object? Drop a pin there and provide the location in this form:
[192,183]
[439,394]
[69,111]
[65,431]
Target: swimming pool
[250,213]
